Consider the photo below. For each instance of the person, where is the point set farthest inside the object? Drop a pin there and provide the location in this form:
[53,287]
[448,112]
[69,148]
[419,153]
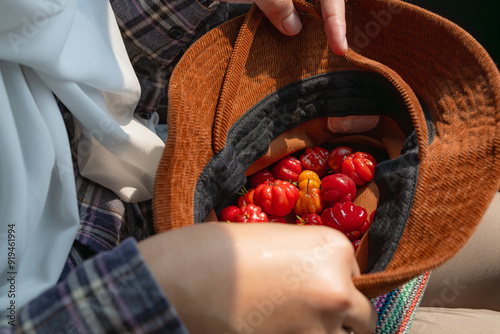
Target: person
[211,276]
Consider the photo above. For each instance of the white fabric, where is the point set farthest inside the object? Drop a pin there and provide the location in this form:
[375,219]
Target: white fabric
[72,49]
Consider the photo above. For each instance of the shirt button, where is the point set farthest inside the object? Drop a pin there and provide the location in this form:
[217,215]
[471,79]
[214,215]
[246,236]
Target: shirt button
[176,33]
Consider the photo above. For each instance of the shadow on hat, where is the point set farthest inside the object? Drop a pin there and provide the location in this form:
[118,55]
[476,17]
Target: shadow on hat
[244,96]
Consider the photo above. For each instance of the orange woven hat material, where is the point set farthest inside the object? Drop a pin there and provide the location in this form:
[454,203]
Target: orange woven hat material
[244,95]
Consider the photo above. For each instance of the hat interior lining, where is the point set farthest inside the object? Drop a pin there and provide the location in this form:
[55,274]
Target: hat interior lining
[336,94]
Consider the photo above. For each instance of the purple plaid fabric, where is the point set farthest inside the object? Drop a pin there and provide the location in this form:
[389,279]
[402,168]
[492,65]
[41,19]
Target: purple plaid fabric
[156,35]
[112,293]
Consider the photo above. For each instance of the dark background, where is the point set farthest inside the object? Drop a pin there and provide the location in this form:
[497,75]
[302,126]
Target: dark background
[480,18]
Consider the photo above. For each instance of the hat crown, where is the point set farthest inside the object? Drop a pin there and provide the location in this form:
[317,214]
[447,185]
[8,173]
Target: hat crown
[237,65]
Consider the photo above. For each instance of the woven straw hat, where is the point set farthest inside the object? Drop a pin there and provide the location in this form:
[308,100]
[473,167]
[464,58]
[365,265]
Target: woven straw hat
[245,95]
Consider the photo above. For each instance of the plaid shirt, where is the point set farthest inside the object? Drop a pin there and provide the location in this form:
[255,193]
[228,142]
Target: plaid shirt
[105,286]
[156,35]
[113,292]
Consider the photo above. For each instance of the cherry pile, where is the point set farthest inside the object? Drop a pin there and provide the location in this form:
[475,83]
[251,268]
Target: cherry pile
[317,189]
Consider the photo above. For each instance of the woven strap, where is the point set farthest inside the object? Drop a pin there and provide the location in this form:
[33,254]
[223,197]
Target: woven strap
[396,309]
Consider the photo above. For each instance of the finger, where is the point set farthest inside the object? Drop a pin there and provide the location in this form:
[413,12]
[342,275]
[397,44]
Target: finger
[282,15]
[352,124]
[333,12]
[361,318]
[355,266]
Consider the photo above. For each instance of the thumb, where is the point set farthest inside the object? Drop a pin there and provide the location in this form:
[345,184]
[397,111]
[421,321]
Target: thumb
[282,15]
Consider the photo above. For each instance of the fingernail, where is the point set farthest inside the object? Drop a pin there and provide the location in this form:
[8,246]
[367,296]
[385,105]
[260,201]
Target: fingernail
[345,44]
[292,24]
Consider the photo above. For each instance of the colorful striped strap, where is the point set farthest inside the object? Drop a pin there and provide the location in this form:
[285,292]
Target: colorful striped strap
[397,308]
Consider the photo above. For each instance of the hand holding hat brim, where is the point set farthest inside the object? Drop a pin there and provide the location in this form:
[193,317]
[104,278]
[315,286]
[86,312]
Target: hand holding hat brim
[285,18]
